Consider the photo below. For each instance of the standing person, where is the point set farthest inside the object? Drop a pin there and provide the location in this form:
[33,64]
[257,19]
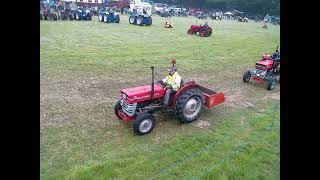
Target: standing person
[60,8]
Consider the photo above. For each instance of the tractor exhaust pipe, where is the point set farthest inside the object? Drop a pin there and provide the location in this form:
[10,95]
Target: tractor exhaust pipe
[152,83]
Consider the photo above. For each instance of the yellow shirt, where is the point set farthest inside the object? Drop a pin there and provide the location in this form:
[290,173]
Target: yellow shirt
[173,80]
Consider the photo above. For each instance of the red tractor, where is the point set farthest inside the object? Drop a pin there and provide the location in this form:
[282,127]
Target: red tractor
[204,31]
[50,14]
[139,103]
[266,70]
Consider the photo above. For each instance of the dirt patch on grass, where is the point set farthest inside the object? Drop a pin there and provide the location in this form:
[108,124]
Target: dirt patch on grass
[273,95]
[236,99]
[201,124]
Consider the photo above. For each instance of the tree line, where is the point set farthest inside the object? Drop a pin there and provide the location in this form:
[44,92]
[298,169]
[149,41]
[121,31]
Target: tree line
[251,7]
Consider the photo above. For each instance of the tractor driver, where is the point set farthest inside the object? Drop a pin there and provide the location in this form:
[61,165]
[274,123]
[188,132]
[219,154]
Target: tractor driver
[171,83]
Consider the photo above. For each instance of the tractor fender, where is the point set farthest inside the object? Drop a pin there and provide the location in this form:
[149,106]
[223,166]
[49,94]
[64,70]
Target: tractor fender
[188,85]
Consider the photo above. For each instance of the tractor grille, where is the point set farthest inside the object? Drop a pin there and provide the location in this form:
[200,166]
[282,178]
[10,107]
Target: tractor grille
[127,108]
[260,73]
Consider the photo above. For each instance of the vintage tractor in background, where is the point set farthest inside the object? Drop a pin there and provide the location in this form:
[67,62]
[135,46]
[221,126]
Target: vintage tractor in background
[203,31]
[83,14]
[243,19]
[41,14]
[140,19]
[109,17]
[49,13]
[139,103]
[266,70]
[66,14]
[202,16]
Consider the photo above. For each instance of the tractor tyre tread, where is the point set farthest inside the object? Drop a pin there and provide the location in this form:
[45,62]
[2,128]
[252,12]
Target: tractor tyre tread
[139,119]
[181,102]
[117,106]
[270,85]
[246,77]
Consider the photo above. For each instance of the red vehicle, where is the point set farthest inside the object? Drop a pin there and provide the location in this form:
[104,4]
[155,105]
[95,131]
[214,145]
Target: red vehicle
[67,14]
[266,70]
[139,103]
[50,14]
[204,31]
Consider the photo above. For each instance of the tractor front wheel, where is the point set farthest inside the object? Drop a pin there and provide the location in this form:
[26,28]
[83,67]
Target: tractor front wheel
[140,21]
[143,124]
[117,107]
[190,32]
[117,19]
[131,20]
[271,84]
[246,76]
[189,105]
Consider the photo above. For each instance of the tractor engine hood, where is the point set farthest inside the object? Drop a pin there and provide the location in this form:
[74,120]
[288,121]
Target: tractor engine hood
[141,93]
[264,65]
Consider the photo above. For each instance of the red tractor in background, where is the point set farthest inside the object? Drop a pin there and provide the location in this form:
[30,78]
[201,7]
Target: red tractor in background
[139,103]
[49,14]
[266,70]
[204,31]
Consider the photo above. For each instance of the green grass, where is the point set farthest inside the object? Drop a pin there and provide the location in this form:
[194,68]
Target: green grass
[85,64]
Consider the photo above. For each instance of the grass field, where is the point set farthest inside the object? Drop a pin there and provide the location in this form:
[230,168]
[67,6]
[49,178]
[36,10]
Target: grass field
[85,64]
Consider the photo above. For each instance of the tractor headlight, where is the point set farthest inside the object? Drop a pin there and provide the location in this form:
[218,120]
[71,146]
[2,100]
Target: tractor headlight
[124,96]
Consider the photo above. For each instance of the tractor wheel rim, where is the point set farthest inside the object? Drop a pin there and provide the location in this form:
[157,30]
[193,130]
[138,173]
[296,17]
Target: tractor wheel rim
[131,20]
[145,125]
[192,107]
[105,19]
[100,17]
[138,21]
[77,16]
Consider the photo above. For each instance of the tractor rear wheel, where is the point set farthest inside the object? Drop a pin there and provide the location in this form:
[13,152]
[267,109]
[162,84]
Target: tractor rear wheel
[118,19]
[117,107]
[189,105]
[100,17]
[150,21]
[78,17]
[105,19]
[89,17]
[246,76]
[205,32]
[271,84]
[143,124]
